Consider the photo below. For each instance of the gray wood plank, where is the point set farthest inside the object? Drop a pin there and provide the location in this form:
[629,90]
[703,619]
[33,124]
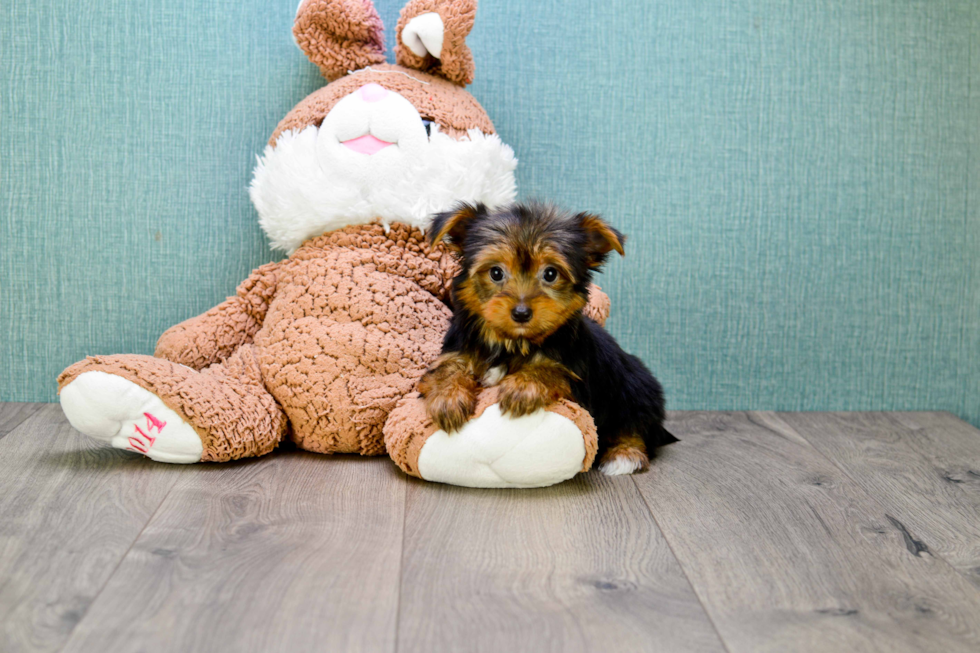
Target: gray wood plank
[12,414]
[946,440]
[291,552]
[925,469]
[788,553]
[70,508]
[576,567]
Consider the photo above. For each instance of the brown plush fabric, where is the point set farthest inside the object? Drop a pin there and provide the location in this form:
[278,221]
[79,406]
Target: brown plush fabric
[340,35]
[449,105]
[351,320]
[598,307]
[406,430]
[456,60]
[212,337]
[409,426]
[357,316]
[227,404]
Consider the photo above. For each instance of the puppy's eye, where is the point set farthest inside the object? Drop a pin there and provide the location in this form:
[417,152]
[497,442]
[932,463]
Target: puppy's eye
[496,274]
[550,274]
[428,126]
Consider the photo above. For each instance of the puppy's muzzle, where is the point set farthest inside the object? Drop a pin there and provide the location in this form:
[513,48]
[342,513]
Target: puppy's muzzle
[521,314]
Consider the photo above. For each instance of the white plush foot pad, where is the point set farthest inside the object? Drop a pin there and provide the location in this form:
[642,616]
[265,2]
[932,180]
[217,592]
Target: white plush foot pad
[110,408]
[494,451]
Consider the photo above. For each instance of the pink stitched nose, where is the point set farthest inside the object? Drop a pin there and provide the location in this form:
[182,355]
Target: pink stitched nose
[373,92]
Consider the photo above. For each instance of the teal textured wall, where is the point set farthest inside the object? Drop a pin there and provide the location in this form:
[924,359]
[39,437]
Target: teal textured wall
[799,180]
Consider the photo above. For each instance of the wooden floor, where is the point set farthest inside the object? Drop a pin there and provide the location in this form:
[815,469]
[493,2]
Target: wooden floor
[757,532]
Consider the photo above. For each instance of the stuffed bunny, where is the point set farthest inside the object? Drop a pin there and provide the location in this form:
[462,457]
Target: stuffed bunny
[325,347]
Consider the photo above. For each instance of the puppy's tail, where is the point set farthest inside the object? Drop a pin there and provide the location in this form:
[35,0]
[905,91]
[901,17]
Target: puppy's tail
[657,436]
[650,400]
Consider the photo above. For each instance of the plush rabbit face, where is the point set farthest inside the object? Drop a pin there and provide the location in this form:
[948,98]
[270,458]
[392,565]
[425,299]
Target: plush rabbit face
[388,143]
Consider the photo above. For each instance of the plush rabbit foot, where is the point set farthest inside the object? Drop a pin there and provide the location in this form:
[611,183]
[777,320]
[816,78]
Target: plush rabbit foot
[172,413]
[110,408]
[492,450]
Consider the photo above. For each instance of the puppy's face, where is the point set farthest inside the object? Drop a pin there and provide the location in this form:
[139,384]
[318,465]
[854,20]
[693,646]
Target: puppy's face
[521,284]
[527,268]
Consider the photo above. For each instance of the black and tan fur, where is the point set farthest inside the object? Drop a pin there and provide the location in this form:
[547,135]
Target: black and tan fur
[517,304]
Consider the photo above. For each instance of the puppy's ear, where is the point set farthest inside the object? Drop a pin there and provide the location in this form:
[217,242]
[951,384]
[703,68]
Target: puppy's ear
[432,38]
[339,35]
[454,224]
[600,238]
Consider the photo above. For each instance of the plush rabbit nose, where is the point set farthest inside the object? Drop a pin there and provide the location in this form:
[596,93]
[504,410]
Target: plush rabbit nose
[373,92]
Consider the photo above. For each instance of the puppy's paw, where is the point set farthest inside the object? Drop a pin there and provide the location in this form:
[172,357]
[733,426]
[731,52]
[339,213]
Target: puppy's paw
[520,396]
[449,391]
[450,410]
[624,459]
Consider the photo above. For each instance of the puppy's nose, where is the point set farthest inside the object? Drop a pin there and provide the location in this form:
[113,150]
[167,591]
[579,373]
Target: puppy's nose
[521,313]
[373,92]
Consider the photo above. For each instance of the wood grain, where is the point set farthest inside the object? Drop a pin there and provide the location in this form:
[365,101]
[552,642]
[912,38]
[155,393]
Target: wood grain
[803,532]
[70,508]
[12,414]
[291,552]
[788,553]
[576,567]
[923,467]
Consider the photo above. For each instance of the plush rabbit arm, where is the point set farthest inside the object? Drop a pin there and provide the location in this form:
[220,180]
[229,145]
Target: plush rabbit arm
[598,307]
[213,336]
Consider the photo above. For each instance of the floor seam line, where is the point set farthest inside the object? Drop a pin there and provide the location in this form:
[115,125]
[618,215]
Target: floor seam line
[115,569]
[680,565]
[401,569]
[35,411]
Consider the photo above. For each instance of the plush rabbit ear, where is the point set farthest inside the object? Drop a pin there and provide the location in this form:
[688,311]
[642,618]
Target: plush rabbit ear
[432,38]
[339,35]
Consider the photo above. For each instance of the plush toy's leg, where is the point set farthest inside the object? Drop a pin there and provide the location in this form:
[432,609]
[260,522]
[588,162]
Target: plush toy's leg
[544,448]
[173,413]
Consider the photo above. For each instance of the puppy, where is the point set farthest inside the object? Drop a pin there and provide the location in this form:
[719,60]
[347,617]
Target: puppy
[518,322]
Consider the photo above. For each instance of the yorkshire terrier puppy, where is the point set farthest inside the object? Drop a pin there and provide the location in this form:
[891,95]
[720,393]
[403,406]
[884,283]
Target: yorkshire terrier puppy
[518,322]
